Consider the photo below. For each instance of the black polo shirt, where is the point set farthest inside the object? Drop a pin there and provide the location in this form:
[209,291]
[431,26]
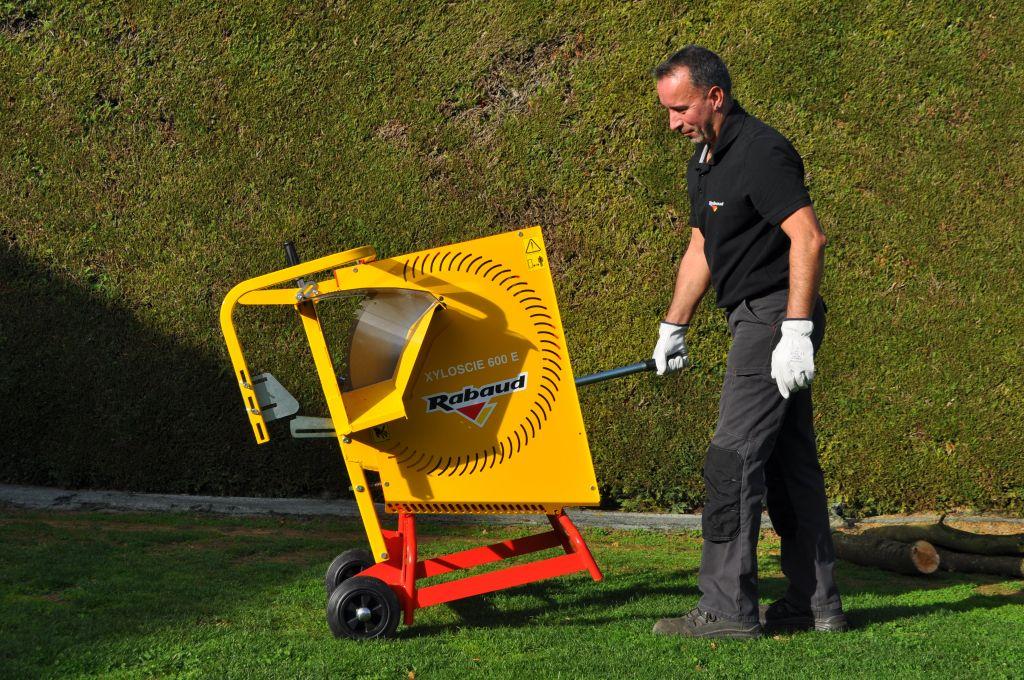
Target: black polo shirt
[754,180]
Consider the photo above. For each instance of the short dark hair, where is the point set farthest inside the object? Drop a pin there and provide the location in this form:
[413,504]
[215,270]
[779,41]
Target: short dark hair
[706,68]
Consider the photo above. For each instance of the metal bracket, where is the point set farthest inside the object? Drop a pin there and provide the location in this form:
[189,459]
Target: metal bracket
[307,291]
[308,427]
[274,400]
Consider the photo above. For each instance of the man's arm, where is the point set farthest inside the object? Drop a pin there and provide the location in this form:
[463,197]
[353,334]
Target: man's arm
[806,261]
[691,282]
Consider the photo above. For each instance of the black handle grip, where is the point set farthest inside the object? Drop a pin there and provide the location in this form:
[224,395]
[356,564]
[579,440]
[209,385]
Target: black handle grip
[291,256]
[639,367]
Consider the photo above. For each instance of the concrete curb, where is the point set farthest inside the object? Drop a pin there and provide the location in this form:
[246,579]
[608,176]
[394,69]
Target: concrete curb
[44,498]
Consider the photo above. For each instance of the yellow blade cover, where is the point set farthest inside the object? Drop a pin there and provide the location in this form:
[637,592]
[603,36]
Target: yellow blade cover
[493,421]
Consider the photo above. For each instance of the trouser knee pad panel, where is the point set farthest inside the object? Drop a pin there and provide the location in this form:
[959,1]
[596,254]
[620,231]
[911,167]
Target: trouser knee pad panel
[723,469]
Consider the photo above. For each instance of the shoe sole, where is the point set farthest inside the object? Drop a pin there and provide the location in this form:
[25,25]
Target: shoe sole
[732,634]
[797,625]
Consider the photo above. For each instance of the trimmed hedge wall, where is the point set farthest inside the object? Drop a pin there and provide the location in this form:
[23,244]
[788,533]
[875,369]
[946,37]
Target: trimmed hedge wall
[154,155]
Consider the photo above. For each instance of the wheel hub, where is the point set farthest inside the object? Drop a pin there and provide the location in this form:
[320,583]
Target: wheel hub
[363,614]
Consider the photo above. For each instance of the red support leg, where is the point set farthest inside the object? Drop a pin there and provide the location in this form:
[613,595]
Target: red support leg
[579,546]
[407,528]
[560,532]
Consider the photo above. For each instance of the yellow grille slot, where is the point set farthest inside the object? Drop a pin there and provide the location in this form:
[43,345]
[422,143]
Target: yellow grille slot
[473,508]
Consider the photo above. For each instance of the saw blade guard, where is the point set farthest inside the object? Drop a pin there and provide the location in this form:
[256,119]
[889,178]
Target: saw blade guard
[492,422]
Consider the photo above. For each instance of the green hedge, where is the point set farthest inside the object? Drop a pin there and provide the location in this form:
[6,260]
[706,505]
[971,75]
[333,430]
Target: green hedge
[153,155]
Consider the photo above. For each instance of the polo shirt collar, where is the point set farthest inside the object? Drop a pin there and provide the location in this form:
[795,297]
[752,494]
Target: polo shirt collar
[730,130]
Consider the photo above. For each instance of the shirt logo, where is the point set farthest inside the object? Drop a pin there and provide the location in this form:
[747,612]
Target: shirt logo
[715,205]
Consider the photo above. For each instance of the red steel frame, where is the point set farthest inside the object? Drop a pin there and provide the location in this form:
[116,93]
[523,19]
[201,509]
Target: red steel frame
[403,569]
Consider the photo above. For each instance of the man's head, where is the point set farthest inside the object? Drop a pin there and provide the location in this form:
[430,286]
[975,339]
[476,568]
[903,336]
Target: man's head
[694,85]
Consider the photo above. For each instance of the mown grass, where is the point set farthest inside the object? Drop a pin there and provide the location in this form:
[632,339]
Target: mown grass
[152,155]
[134,595]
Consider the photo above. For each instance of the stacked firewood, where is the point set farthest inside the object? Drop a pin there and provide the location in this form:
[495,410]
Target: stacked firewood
[927,548]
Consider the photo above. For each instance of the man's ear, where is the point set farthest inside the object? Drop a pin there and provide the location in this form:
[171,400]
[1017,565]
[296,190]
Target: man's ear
[717,97]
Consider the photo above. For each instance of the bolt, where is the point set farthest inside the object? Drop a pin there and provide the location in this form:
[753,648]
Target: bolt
[355,269]
[246,385]
[383,555]
[387,483]
[593,488]
[254,411]
[346,440]
[520,233]
[360,488]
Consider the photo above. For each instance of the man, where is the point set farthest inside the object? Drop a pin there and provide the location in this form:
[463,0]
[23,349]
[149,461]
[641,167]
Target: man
[756,238]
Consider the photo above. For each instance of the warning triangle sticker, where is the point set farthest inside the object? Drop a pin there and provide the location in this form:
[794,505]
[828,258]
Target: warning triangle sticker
[532,247]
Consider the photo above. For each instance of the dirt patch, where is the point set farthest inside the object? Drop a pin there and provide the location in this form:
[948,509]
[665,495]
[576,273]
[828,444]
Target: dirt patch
[974,524]
[992,528]
[513,79]
[1014,590]
[393,131]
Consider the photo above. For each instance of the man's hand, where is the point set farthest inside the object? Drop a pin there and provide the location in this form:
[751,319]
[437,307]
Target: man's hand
[670,353]
[793,358]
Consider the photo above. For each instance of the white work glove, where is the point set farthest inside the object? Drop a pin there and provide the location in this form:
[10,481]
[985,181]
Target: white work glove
[670,353]
[793,358]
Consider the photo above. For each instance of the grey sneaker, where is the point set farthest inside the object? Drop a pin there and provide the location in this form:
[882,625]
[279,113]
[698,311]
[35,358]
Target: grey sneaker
[784,616]
[701,624]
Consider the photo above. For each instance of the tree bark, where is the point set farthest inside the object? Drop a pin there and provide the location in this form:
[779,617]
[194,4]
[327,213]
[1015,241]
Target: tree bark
[998,565]
[953,539]
[869,551]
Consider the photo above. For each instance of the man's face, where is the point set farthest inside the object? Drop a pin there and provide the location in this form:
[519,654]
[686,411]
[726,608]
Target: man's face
[690,108]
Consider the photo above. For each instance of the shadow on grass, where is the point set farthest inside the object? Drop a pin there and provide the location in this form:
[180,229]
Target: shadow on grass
[93,398]
[854,581]
[581,601]
[607,603]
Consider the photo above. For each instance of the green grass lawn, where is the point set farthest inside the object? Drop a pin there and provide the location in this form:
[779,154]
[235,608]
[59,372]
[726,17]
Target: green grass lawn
[133,595]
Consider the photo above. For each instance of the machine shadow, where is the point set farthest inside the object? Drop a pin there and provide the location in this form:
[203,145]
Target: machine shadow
[609,603]
[93,398]
[588,604]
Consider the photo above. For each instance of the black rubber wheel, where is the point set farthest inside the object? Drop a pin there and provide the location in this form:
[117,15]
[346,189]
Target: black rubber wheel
[345,566]
[363,608]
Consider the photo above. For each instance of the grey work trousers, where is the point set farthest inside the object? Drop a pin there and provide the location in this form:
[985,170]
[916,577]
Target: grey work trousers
[764,446]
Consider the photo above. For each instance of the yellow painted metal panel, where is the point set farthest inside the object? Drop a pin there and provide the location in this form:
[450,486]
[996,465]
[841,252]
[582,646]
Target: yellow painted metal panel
[492,414]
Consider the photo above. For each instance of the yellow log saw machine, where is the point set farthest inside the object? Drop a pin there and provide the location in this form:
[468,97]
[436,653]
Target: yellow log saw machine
[458,393]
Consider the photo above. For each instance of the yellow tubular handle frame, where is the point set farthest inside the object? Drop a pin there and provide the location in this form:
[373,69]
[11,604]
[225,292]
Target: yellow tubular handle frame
[279,296]
[255,292]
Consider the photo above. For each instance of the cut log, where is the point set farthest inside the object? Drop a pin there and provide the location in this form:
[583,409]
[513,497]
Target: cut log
[953,539]
[919,557]
[999,565]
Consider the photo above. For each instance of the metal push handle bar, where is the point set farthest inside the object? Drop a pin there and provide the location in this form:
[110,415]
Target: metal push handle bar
[600,376]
